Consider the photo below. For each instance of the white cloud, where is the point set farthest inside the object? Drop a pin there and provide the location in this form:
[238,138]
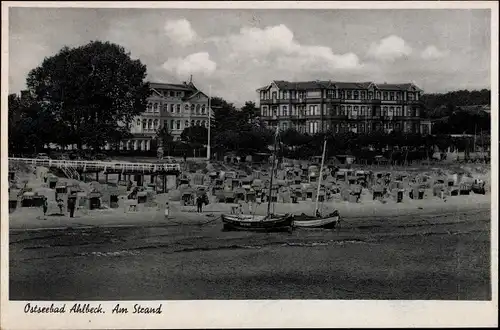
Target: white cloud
[432,52]
[276,44]
[181,32]
[389,49]
[198,63]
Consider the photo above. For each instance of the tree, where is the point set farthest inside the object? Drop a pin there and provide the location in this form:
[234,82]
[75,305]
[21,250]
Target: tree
[93,91]
[165,140]
[250,111]
[30,125]
[196,136]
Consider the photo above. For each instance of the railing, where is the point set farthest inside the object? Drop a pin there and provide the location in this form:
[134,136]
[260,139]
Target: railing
[73,165]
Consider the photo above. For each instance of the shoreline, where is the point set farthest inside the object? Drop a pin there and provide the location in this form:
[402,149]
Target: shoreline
[31,219]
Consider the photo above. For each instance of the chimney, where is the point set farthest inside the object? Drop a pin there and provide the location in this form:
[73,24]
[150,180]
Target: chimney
[191,79]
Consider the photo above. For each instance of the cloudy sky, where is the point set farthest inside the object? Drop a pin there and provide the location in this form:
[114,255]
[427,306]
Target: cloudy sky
[238,51]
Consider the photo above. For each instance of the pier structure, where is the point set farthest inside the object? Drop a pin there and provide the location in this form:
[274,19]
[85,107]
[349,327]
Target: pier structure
[75,169]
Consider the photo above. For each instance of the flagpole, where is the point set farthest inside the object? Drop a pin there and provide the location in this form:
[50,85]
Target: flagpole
[209,123]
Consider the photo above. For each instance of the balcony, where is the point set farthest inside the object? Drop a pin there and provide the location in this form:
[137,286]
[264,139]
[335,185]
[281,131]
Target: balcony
[274,101]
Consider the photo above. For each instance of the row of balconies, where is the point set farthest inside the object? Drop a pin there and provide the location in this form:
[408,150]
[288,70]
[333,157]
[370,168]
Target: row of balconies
[336,101]
[339,117]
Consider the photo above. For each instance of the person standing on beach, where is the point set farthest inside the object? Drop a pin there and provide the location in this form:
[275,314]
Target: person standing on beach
[199,203]
[167,210]
[45,206]
[71,206]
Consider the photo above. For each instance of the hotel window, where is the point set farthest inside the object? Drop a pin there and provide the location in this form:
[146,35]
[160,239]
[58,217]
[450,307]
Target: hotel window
[178,124]
[285,110]
[171,124]
[172,94]
[150,124]
[197,123]
[186,108]
[155,107]
[363,111]
[178,108]
[165,123]
[192,109]
[355,112]
[362,128]
[144,124]
[149,107]
[155,124]
[384,113]
[397,126]
[356,95]
[370,95]
[203,123]
[192,122]
[363,95]
[275,95]
[349,94]
[198,108]
[392,96]
[398,111]
[408,112]
[385,96]
[349,111]
[391,111]
[179,94]
[342,110]
[285,126]
[377,95]
[398,96]
[186,123]
[138,122]
[264,111]
[410,96]
[275,112]
[285,95]
[331,93]
[172,108]
[203,109]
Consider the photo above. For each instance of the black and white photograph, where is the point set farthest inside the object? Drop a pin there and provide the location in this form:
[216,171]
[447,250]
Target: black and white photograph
[205,152]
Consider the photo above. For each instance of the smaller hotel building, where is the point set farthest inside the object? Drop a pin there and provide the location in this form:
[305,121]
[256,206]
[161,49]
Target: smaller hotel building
[359,107]
[174,106]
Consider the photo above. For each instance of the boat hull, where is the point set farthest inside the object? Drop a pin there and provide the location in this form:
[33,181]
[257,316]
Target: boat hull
[315,222]
[257,223]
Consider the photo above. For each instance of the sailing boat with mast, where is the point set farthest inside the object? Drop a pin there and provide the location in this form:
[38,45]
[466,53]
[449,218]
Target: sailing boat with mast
[316,220]
[264,223]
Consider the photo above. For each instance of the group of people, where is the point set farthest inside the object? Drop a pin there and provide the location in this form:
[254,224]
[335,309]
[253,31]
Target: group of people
[60,205]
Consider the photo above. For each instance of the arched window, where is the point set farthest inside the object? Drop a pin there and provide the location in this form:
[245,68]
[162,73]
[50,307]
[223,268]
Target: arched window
[156,123]
[203,123]
[203,109]
[149,107]
[186,123]
[138,122]
[192,122]
[192,108]
[198,107]
[178,108]
[178,124]
[144,124]
[186,107]
[197,123]
[150,124]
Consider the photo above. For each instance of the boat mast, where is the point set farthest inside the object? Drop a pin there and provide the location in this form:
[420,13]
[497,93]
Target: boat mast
[272,172]
[320,177]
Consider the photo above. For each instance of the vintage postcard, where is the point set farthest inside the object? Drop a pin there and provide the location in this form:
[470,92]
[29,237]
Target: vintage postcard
[249,164]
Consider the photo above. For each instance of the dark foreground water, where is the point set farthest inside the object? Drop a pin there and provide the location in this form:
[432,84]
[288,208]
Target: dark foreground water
[406,257]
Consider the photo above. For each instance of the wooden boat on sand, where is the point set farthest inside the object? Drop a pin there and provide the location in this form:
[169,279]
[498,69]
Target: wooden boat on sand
[257,223]
[306,221]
